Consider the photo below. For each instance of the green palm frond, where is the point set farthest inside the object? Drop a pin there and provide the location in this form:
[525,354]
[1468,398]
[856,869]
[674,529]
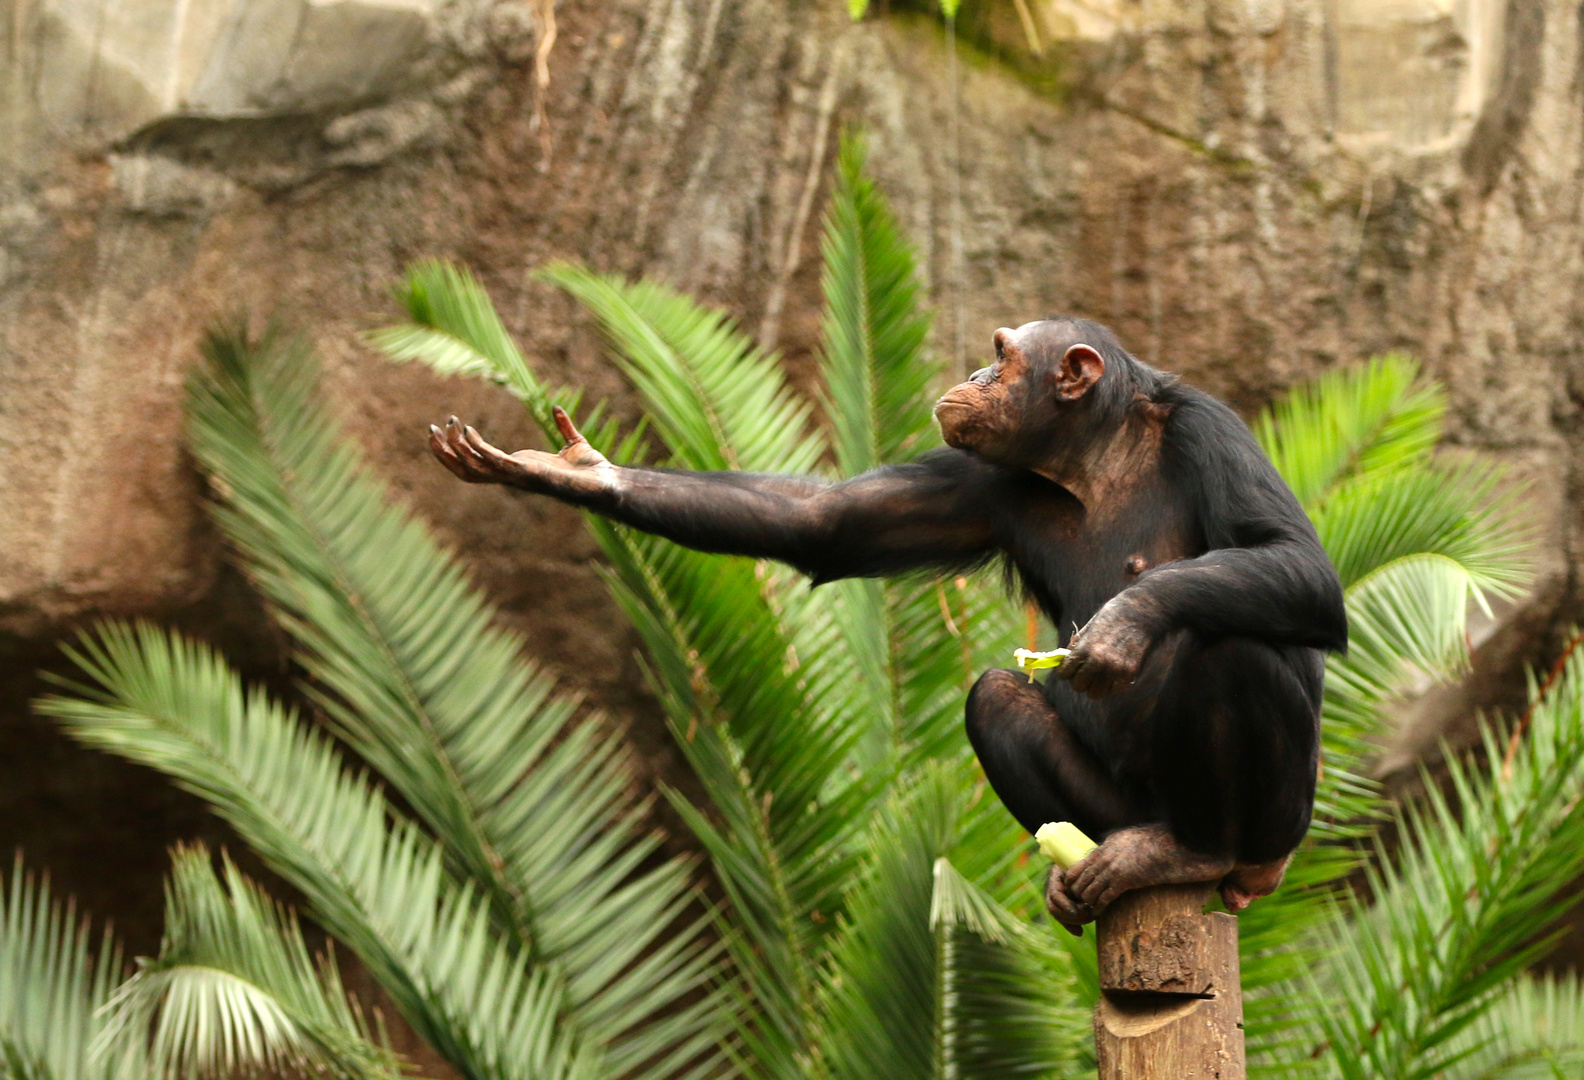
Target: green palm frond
[373,880]
[877,380]
[932,976]
[1411,611]
[748,663]
[757,718]
[717,400]
[1407,629]
[1533,1031]
[1463,514]
[772,761]
[1354,422]
[234,988]
[1464,904]
[1416,543]
[532,807]
[454,328]
[877,375]
[944,634]
[53,983]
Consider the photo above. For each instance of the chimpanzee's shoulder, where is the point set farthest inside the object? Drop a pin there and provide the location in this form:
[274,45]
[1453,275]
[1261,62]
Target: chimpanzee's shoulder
[1198,421]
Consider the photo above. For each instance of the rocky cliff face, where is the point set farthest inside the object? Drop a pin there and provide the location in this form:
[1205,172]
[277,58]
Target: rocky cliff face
[1250,191]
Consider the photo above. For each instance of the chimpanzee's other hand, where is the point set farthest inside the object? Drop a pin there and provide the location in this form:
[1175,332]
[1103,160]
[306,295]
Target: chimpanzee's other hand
[1109,651]
[1065,908]
[577,469]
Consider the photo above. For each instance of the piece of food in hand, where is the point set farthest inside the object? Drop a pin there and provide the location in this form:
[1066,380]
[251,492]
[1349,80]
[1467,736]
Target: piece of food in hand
[1030,661]
[1063,843]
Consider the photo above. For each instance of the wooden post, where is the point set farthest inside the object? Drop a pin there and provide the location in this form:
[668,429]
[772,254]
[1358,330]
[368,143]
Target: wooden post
[1171,1001]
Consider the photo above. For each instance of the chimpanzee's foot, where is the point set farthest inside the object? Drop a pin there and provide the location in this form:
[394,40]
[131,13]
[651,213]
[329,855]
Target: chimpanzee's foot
[1133,859]
[1249,881]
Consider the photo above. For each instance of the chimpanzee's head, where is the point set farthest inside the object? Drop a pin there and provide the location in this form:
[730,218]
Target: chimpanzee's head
[1054,385]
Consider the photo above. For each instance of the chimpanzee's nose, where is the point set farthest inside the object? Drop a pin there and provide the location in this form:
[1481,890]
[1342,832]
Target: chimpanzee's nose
[980,376]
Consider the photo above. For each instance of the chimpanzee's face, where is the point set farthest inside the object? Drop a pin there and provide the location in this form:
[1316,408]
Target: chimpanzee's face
[1008,412]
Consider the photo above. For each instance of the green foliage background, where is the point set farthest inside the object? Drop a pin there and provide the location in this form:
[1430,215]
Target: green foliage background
[877,913]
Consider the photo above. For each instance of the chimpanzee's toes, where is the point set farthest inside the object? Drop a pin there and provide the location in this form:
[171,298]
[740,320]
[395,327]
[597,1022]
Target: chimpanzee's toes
[1236,899]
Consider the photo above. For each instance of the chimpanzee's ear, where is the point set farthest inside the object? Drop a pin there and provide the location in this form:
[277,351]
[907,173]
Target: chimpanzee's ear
[1080,368]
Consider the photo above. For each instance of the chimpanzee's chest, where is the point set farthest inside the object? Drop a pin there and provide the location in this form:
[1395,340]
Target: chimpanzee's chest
[1073,560]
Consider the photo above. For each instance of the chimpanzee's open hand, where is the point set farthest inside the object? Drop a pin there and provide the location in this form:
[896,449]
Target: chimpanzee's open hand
[1109,651]
[578,468]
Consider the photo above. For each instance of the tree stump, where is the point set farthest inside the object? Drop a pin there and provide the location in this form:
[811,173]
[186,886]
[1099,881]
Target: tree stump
[1171,1000]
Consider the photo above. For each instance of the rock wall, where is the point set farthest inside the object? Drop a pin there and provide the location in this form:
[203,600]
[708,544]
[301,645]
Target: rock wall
[1250,191]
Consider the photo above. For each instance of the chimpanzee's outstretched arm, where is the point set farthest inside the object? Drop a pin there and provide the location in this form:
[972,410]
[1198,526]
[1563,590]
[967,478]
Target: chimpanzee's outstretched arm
[892,519]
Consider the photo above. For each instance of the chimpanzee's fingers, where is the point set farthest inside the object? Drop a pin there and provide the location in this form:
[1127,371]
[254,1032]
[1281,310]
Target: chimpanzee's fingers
[1078,668]
[464,454]
[564,424]
[491,460]
[1063,908]
[446,456]
[467,453]
[1095,884]
[489,464]
[1093,874]
[476,442]
[1081,873]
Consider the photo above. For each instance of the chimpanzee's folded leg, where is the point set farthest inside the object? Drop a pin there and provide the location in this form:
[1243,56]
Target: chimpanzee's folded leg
[1234,742]
[1236,746]
[1039,770]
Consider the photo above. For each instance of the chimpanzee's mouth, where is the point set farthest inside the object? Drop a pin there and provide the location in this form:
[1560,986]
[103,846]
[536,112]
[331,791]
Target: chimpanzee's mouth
[953,399]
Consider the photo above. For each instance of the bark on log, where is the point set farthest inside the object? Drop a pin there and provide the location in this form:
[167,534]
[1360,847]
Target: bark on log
[1171,1005]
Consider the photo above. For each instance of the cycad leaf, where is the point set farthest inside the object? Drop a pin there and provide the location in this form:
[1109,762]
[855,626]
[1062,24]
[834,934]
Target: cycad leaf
[932,976]
[53,982]
[372,880]
[752,717]
[1410,611]
[877,376]
[1463,905]
[1459,513]
[454,329]
[767,755]
[533,808]
[235,989]
[718,400]
[1354,422]
[1533,1031]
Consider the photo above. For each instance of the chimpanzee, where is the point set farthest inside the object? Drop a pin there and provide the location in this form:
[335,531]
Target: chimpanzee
[1183,729]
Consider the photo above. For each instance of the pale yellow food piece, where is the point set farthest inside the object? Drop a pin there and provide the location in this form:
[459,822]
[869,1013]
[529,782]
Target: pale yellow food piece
[1030,661]
[1063,843]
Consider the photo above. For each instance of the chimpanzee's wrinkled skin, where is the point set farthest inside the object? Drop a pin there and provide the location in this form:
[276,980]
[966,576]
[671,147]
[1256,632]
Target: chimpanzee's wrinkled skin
[1184,727]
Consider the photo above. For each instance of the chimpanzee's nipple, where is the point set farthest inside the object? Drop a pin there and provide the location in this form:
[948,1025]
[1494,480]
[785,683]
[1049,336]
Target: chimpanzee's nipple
[1137,564]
